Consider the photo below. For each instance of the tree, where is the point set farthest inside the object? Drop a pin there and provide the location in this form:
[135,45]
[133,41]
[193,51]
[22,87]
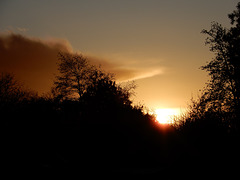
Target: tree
[92,91]
[12,91]
[106,95]
[223,90]
[76,75]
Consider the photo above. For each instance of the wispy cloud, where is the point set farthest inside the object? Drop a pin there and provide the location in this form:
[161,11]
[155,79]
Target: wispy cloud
[127,71]
[22,29]
[146,73]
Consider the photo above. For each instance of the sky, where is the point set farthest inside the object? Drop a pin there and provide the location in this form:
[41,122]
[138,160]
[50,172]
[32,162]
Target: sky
[157,43]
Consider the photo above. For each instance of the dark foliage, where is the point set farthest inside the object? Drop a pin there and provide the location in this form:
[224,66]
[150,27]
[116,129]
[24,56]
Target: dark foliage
[101,132]
[223,91]
[211,124]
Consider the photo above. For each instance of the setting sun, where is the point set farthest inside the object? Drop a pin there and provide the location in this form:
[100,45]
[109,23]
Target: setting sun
[164,116]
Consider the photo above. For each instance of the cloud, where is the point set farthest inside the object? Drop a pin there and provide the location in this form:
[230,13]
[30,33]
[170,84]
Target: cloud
[22,29]
[130,74]
[34,61]
[127,71]
[146,73]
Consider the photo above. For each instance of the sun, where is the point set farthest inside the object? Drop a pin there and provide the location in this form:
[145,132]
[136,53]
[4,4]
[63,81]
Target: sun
[164,116]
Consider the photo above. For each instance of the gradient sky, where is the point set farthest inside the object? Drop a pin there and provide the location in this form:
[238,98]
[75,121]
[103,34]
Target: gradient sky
[156,42]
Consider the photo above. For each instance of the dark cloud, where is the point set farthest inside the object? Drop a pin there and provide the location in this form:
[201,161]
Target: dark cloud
[33,61]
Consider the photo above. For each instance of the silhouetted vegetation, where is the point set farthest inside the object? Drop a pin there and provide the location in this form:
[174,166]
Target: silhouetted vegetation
[88,122]
[212,122]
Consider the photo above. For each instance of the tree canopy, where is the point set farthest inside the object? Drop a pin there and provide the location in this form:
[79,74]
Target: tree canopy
[76,75]
[222,93]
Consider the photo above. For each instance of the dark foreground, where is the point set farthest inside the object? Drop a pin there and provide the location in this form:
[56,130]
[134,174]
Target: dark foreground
[101,149]
[40,137]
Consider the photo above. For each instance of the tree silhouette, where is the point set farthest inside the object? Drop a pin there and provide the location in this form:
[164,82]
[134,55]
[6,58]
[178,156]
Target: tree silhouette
[12,91]
[223,90]
[76,75]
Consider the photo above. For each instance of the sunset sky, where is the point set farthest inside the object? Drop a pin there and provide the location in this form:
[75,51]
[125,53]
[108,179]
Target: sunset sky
[157,43]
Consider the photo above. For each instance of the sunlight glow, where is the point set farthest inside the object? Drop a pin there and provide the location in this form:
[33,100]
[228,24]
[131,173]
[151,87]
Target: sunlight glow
[164,116]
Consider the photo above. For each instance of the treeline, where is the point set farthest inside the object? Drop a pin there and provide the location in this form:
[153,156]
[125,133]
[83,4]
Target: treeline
[87,123]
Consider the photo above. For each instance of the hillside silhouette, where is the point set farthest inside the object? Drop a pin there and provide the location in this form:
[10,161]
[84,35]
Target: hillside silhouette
[88,122]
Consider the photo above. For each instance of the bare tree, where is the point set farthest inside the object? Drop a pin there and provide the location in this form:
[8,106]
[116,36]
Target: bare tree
[76,74]
[12,91]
